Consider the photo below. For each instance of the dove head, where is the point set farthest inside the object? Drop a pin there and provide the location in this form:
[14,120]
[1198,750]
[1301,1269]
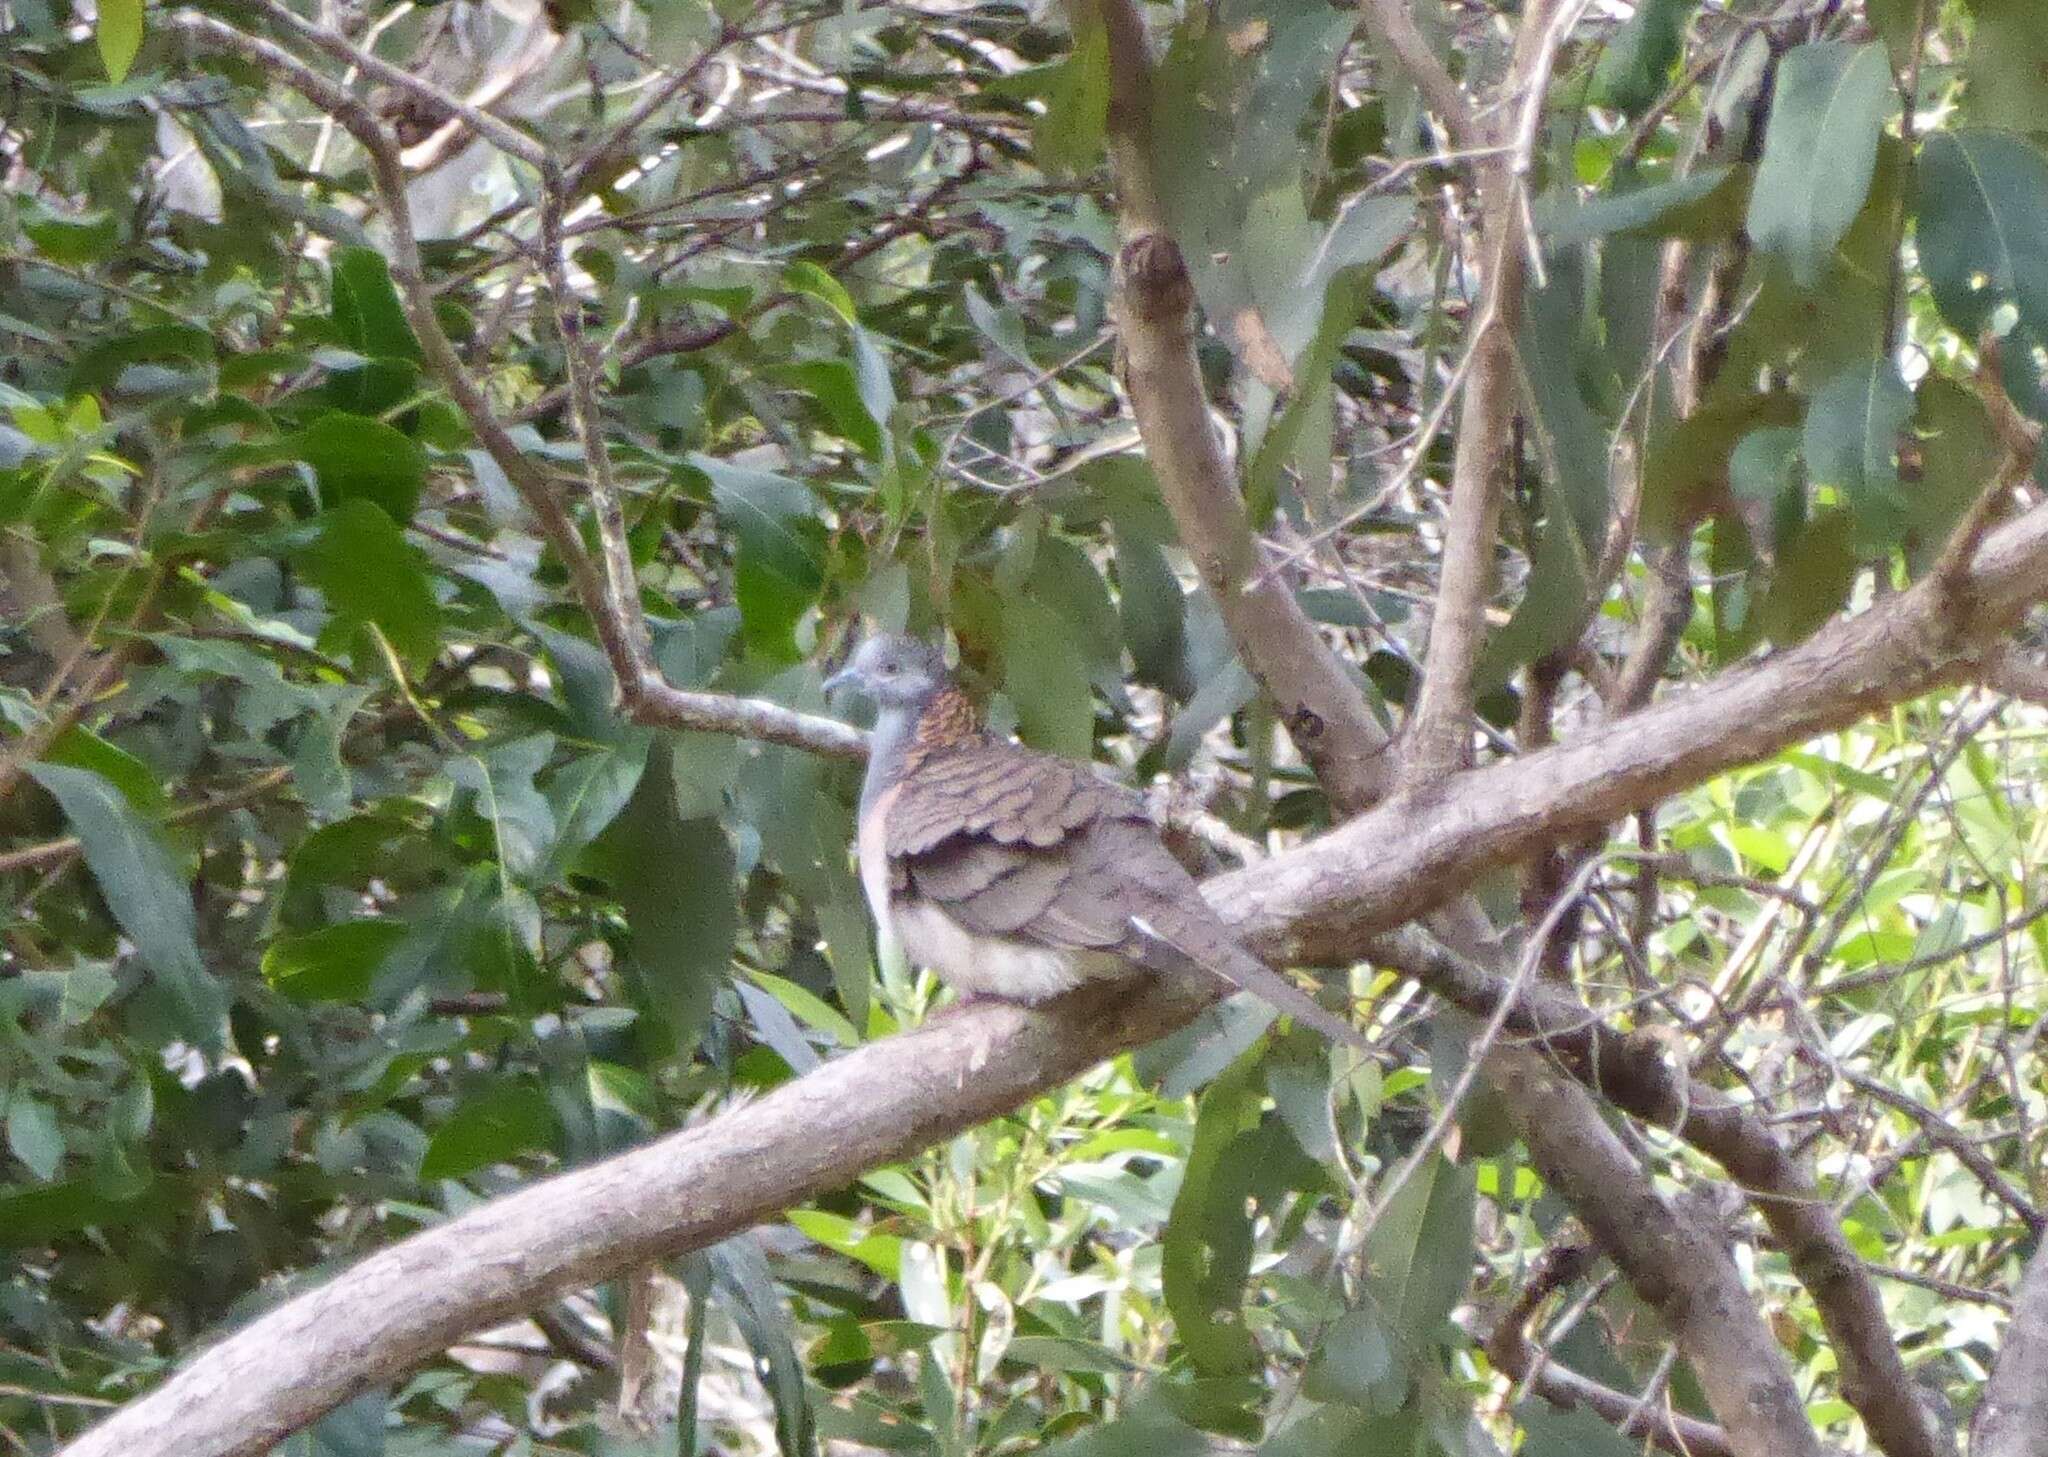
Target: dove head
[896,671]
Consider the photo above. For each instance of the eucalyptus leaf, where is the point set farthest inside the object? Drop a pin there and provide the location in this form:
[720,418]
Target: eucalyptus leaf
[1819,152]
[147,894]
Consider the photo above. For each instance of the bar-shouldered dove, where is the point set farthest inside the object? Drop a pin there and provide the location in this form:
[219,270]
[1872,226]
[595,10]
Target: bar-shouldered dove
[1018,875]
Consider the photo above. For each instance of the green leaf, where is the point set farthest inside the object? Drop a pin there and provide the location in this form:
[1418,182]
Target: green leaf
[1702,205]
[588,794]
[1153,610]
[143,888]
[496,1126]
[119,34]
[370,573]
[1959,451]
[1046,677]
[1343,1431]
[334,964]
[366,310]
[35,1216]
[1634,68]
[1420,1252]
[1851,442]
[1982,226]
[1765,479]
[740,1274]
[1208,1245]
[809,278]
[85,238]
[674,880]
[832,384]
[521,819]
[101,365]
[1812,578]
[781,566]
[1819,152]
[33,1135]
[1356,1363]
[1686,472]
[2006,67]
[1066,138]
[1228,102]
[1559,1433]
[81,748]
[356,458]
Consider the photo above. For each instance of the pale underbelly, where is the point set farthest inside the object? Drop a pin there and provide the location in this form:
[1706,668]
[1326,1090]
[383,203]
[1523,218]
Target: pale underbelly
[976,965]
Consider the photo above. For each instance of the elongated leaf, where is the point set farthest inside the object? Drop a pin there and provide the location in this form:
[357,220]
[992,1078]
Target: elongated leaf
[1851,442]
[334,964]
[1982,225]
[749,1295]
[149,898]
[1208,1238]
[2007,65]
[501,1124]
[1420,1253]
[360,459]
[366,309]
[370,573]
[1814,573]
[674,879]
[1703,204]
[119,34]
[1819,152]
[781,550]
[1632,71]
[33,1135]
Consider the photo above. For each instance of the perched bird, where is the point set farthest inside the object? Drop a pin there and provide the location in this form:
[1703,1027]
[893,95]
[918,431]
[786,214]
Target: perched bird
[1018,875]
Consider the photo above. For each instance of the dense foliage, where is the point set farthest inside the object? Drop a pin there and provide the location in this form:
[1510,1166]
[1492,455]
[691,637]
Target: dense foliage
[345,894]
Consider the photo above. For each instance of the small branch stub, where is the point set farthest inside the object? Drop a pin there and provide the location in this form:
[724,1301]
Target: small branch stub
[1155,278]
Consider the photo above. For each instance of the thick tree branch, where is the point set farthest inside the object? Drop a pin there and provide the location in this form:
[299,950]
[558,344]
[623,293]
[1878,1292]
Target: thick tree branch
[1438,737]
[1679,1265]
[1280,646]
[2012,1420]
[1395,863]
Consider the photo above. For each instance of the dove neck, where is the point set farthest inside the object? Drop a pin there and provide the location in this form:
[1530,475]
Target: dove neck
[906,733]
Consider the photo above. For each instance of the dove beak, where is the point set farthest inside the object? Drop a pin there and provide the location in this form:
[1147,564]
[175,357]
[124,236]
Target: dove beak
[842,680]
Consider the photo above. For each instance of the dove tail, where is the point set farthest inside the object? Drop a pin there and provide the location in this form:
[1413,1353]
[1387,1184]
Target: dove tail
[1229,962]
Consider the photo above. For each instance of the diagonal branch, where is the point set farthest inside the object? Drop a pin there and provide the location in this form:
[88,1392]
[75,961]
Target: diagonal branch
[1322,708]
[408,273]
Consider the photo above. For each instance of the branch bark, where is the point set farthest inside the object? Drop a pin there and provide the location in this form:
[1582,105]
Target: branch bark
[1679,1266]
[2012,1421]
[1323,710]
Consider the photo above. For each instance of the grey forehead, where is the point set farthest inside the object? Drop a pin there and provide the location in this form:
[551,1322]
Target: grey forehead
[906,650]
